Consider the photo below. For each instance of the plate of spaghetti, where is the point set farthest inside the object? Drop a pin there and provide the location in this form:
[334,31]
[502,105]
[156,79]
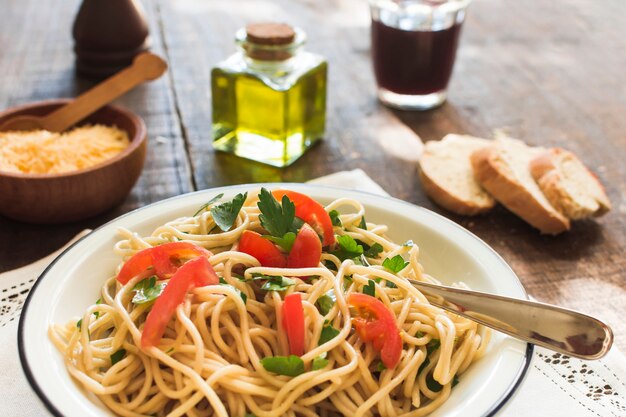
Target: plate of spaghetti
[269,300]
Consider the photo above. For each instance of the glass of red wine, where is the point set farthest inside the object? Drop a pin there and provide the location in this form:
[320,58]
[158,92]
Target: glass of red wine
[414,45]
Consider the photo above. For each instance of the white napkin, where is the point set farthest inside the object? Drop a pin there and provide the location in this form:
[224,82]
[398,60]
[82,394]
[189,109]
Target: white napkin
[555,385]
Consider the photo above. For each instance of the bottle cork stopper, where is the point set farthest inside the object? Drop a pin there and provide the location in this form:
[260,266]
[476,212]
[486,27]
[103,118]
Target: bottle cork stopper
[270,33]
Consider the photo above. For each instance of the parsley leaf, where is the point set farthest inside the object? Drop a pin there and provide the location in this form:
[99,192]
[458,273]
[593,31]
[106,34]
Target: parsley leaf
[147,290]
[328,333]
[226,213]
[97,313]
[419,334]
[277,218]
[290,365]
[362,224]
[118,356]
[330,265]
[208,203]
[79,324]
[432,346]
[319,363]
[348,248]
[326,302]
[334,218]
[285,242]
[432,384]
[370,288]
[380,367]
[395,264]
[274,283]
[373,251]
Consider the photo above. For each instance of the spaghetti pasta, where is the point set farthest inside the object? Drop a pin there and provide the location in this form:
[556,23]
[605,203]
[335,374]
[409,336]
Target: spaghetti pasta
[210,361]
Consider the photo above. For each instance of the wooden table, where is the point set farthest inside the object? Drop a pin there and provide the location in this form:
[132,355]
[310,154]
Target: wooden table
[551,73]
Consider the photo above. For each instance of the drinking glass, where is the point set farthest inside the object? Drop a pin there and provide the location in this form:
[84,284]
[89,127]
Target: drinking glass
[414,45]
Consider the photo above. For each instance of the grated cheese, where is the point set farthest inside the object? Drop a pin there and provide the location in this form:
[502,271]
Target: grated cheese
[44,152]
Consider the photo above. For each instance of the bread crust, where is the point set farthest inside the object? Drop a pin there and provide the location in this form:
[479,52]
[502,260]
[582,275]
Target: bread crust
[513,195]
[550,178]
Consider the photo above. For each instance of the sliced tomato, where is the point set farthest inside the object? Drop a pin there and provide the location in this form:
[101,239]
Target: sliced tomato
[293,323]
[262,249]
[165,259]
[311,212]
[375,324]
[196,273]
[306,251]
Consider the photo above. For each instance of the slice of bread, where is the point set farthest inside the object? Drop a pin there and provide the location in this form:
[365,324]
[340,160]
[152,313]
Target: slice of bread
[569,185]
[503,169]
[447,176]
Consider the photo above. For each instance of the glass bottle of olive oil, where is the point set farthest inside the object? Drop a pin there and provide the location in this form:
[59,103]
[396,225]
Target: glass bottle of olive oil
[269,99]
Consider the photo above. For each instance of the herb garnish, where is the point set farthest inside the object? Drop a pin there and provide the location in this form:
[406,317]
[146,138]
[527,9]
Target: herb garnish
[226,213]
[285,242]
[334,218]
[328,333]
[208,203]
[432,346]
[290,365]
[274,283]
[362,224]
[380,367]
[348,248]
[277,218]
[118,356]
[319,363]
[370,288]
[373,251]
[243,296]
[326,302]
[432,384]
[395,264]
[147,290]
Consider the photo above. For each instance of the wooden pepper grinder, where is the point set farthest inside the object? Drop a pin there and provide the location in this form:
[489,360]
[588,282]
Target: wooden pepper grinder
[108,34]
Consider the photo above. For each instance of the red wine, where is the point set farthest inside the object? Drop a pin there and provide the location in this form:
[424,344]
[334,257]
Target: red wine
[413,62]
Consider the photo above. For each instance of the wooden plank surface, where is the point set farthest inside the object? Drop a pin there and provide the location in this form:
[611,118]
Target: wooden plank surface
[550,81]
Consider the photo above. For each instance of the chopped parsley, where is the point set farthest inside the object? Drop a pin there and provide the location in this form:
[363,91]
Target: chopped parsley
[225,214]
[348,248]
[373,251]
[362,224]
[290,365]
[326,302]
[432,346]
[334,218]
[118,356]
[285,242]
[319,363]
[370,288]
[243,296]
[432,384]
[208,203]
[380,367]
[147,290]
[395,264]
[277,218]
[328,333]
[274,282]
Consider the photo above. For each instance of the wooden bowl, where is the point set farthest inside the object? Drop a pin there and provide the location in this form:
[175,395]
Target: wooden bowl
[76,195]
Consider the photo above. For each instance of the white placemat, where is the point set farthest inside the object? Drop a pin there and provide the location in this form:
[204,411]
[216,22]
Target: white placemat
[555,385]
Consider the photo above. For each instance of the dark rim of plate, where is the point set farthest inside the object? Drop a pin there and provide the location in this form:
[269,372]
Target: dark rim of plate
[519,378]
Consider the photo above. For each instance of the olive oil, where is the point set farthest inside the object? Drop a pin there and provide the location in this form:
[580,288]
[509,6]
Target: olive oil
[269,110]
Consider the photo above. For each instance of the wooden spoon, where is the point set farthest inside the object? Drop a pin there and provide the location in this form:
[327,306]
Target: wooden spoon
[146,66]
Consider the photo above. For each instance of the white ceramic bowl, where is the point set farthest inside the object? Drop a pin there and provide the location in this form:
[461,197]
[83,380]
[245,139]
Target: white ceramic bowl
[448,252]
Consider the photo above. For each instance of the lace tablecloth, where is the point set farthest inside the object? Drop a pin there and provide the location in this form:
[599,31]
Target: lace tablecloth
[555,386]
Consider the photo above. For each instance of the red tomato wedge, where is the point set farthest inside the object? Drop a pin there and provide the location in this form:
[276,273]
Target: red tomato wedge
[306,250]
[376,324]
[311,212]
[196,273]
[262,249]
[165,260]
[293,322]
